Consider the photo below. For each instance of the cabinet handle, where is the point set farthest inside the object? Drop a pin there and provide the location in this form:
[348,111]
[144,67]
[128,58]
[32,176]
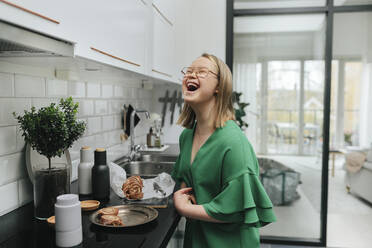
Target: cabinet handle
[30,11]
[115,57]
[165,18]
[162,73]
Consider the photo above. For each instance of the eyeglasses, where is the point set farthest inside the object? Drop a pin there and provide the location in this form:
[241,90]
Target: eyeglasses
[200,72]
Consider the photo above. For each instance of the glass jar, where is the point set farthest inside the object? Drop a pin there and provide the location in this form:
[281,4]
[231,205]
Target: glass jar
[48,184]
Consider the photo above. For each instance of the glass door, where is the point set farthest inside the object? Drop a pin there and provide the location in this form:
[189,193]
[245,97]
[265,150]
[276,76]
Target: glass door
[278,67]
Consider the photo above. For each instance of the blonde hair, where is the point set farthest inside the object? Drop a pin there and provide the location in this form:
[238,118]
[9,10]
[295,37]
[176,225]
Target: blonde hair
[224,109]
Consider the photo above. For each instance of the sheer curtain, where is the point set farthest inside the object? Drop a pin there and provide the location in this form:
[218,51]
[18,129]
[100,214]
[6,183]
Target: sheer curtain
[246,80]
[365,123]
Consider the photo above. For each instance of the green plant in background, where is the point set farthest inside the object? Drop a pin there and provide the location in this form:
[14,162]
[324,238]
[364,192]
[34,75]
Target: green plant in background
[239,110]
[347,137]
[53,129]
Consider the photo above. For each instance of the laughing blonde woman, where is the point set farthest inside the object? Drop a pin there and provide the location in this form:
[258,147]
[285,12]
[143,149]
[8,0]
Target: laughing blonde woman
[221,195]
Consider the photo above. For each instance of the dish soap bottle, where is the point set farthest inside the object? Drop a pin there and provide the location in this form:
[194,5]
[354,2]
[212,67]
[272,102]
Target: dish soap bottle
[150,138]
[85,171]
[100,176]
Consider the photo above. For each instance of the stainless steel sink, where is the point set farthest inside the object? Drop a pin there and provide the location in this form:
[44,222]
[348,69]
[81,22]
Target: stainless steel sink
[147,169]
[157,158]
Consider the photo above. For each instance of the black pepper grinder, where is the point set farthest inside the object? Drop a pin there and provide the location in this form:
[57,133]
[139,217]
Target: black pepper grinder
[100,176]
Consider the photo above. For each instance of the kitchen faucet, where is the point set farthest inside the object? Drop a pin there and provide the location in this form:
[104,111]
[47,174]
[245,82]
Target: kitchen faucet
[133,149]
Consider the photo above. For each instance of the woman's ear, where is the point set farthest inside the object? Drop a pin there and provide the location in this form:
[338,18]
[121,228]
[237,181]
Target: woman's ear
[216,93]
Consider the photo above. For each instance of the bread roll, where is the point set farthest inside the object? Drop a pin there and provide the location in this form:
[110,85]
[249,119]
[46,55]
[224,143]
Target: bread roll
[113,220]
[132,188]
[108,211]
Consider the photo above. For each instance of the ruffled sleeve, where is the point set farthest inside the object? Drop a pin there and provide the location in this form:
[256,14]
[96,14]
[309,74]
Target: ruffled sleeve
[242,198]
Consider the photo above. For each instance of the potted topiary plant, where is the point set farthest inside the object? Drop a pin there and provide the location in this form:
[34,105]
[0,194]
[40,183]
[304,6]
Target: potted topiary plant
[50,131]
[239,110]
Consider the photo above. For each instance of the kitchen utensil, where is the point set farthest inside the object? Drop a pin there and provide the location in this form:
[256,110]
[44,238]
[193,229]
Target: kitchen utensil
[130,215]
[127,120]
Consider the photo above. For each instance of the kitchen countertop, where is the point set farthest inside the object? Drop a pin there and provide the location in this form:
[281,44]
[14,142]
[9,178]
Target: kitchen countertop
[20,229]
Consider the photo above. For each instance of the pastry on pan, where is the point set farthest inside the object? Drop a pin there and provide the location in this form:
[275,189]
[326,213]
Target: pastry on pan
[112,220]
[132,188]
[108,211]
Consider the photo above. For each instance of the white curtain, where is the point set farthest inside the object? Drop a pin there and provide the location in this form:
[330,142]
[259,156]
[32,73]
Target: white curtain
[365,123]
[245,81]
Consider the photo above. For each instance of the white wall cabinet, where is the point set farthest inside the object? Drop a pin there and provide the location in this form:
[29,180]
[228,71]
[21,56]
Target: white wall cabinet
[37,15]
[152,37]
[166,7]
[163,47]
[110,32]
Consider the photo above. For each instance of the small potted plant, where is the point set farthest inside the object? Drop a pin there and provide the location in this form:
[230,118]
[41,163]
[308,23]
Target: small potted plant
[239,110]
[50,131]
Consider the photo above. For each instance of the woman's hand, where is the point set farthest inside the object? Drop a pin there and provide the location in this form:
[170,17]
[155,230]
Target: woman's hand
[183,199]
[185,204]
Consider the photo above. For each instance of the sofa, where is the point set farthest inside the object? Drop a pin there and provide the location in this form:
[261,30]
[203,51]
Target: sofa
[360,182]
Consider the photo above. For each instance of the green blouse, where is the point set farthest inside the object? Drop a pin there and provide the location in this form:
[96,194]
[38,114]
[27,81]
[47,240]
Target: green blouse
[225,179]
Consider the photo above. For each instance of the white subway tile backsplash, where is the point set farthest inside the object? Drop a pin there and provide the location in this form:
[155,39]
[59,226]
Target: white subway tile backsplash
[10,105]
[25,191]
[56,87]
[141,93]
[86,107]
[94,125]
[93,90]
[20,141]
[134,93]
[7,84]
[76,89]
[141,104]
[118,122]
[74,170]
[87,141]
[119,91]
[10,193]
[43,102]
[12,168]
[101,107]
[29,86]
[102,114]
[8,140]
[107,91]
[107,123]
[103,140]
[114,137]
[116,106]
[84,141]
[148,94]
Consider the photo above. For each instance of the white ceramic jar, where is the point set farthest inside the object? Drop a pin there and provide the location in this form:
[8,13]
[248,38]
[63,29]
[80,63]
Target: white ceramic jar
[68,227]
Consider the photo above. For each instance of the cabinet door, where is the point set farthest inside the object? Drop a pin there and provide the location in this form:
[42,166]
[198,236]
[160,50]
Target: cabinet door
[37,15]
[166,7]
[112,32]
[163,48]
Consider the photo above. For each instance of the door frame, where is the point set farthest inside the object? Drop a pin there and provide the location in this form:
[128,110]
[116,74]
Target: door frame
[329,10]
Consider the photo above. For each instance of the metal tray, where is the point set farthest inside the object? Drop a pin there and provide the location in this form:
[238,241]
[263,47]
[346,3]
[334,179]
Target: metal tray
[131,215]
